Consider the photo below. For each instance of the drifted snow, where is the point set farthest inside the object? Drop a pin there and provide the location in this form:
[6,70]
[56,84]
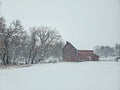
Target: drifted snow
[63,76]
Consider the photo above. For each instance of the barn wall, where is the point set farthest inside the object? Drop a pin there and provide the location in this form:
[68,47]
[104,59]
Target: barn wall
[70,53]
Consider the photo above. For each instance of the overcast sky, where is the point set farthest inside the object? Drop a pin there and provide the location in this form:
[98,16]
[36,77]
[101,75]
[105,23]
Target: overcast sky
[84,23]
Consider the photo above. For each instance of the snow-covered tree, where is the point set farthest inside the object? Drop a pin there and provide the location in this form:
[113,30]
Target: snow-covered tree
[10,40]
[104,50]
[42,42]
[117,50]
[56,51]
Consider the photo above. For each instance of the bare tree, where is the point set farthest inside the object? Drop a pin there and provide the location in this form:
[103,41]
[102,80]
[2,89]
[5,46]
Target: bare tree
[9,33]
[41,43]
[117,50]
[32,45]
[47,37]
[2,47]
[19,48]
[56,51]
[104,50]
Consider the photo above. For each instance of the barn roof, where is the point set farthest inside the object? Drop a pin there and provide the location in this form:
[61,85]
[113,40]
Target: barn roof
[85,50]
[68,43]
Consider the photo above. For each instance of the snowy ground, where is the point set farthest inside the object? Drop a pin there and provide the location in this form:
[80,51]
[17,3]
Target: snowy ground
[63,76]
[110,58]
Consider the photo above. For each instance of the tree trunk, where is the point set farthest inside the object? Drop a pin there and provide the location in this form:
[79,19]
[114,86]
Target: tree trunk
[7,57]
[3,59]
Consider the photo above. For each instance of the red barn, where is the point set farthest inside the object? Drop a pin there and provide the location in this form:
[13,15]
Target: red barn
[70,53]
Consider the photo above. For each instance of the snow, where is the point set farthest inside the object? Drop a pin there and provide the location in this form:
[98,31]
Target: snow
[63,76]
[110,58]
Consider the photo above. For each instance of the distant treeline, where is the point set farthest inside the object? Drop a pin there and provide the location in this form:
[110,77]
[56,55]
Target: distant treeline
[107,50]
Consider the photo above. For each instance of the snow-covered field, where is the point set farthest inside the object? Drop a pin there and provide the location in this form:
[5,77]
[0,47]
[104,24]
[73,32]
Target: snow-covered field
[63,76]
[110,58]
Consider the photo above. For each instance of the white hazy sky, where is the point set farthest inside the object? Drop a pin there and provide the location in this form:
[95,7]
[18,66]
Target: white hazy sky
[84,23]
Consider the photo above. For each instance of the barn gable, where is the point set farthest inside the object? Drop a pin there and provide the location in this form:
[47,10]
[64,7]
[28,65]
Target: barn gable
[70,53]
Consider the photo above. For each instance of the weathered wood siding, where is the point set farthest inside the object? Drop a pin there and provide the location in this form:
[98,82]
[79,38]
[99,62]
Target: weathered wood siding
[70,53]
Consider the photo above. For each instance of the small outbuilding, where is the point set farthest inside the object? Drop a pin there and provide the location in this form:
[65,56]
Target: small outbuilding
[88,55]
